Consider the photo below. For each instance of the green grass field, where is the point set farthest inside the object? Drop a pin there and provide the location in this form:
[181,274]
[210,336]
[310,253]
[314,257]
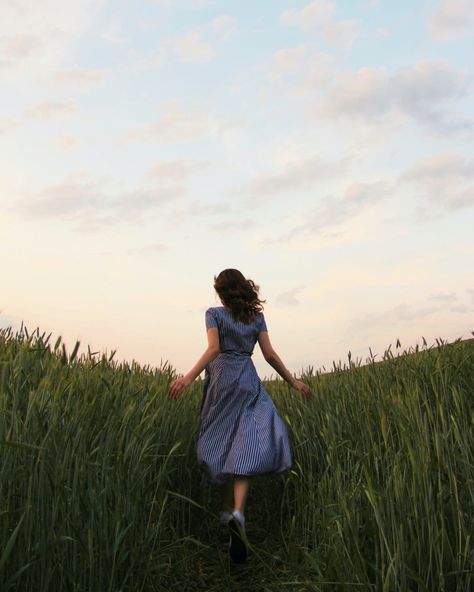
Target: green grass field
[100,488]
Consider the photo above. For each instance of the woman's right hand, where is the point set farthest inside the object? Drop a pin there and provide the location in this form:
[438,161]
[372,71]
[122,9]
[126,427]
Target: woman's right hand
[303,389]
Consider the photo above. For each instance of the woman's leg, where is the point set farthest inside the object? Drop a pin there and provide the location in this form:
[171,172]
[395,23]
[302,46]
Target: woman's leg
[241,487]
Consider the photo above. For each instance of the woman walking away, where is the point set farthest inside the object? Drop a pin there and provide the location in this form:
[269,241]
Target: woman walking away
[241,434]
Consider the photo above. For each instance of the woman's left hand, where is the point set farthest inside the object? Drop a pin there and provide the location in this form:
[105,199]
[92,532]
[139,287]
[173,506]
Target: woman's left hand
[176,388]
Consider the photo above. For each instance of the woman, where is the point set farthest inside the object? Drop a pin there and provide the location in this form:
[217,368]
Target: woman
[241,433]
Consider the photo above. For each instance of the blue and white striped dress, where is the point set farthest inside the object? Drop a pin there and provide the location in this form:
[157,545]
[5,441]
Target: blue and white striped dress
[240,431]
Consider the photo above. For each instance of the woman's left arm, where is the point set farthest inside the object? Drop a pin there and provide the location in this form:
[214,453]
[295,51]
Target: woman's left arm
[213,349]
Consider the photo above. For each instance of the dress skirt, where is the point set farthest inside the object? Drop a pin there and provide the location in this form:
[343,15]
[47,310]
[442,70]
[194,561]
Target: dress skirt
[240,431]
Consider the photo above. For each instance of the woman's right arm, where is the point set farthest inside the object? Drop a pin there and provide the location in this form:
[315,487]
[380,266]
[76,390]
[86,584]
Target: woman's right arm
[275,362]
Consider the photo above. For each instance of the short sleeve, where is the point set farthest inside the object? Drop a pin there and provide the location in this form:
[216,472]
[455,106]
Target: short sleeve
[211,320]
[262,324]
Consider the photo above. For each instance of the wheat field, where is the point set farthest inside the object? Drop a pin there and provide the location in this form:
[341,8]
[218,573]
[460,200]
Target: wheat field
[101,490]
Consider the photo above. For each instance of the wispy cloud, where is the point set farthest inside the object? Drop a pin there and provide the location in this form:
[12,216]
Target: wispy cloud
[199,208]
[289,297]
[8,124]
[451,19]
[179,123]
[404,313]
[232,225]
[296,175]
[38,37]
[192,48]
[425,92]
[50,109]
[82,78]
[19,46]
[180,4]
[319,17]
[114,34]
[84,200]
[334,210]
[178,169]
[444,180]
[299,70]
[444,297]
[198,45]
[149,250]
[224,26]
[65,141]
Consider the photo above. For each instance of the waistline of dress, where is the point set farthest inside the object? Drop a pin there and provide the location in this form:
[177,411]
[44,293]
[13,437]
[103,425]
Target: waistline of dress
[236,354]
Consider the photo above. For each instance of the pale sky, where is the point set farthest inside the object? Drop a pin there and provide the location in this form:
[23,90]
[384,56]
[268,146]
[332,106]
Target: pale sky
[324,148]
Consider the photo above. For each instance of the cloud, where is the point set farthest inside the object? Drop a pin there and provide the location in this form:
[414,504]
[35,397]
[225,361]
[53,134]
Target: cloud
[423,92]
[19,46]
[36,38]
[287,61]
[334,210]
[50,109]
[451,19]
[196,46]
[191,48]
[403,313]
[298,70]
[148,250]
[43,111]
[8,123]
[289,298]
[176,169]
[180,124]
[224,26]
[180,4]
[85,200]
[445,180]
[232,225]
[200,208]
[444,297]
[296,175]
[81,77]
[66,141]
[364,93]
[318,17]
[151,59]
[382,33]
[114,34]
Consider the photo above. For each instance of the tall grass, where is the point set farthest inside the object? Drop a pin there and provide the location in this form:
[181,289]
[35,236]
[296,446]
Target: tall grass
[100,489]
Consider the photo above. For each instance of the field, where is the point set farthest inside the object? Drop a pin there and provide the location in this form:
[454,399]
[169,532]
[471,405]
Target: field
[100,489]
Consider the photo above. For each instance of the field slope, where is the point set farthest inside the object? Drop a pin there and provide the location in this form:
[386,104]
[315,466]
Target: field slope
[101,491]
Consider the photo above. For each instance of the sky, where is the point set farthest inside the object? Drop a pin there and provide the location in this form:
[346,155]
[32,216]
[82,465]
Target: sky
[324,148]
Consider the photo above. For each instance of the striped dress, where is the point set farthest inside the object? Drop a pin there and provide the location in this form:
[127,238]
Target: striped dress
[240,431]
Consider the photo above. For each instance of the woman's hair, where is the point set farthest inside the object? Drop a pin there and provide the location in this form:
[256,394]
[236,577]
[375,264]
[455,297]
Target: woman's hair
[238,294]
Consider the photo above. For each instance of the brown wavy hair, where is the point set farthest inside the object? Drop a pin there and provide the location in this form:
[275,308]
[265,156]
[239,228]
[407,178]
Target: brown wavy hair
[238,294]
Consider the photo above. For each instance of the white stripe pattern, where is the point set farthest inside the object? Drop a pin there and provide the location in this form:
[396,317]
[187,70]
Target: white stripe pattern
[240,431]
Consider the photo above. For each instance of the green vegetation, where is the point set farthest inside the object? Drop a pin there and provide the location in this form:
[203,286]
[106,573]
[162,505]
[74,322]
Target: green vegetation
[100,490]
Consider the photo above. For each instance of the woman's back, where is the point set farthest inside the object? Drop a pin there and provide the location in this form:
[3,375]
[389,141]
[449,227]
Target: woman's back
[235,336]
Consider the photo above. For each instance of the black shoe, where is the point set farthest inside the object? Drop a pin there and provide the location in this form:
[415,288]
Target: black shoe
[237,543]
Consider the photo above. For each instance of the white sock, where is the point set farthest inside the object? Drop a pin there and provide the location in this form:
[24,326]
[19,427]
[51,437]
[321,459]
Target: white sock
[240,518]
